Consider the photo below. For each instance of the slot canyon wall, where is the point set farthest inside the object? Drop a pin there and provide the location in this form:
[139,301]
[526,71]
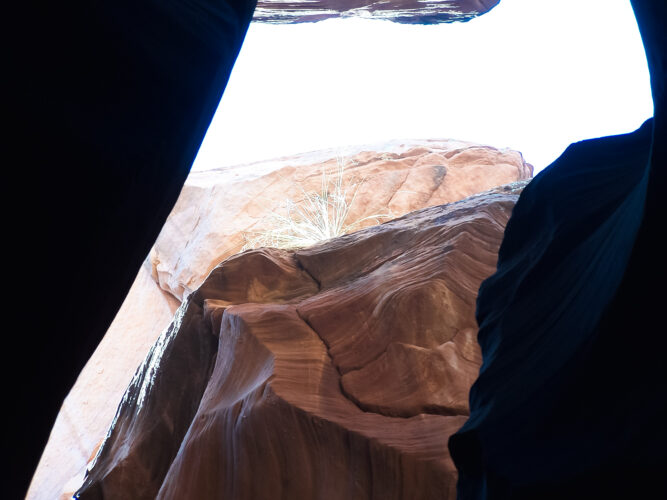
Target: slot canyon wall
[125,93]
[209,223]
[109,103]
[338,371]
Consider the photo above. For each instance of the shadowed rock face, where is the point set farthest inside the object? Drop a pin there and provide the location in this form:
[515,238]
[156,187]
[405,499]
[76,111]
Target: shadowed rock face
[125,93]
[339,371]
[400,11]
[556,408]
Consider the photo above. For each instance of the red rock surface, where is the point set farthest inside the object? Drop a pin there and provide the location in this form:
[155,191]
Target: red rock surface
[402,11]
[216,209]
[334,372]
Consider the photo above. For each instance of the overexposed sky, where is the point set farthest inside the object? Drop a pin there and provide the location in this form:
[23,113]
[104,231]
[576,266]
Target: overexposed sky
[532,75]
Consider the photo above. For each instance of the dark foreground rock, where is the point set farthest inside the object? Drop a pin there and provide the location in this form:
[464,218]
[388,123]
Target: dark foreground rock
[570,402]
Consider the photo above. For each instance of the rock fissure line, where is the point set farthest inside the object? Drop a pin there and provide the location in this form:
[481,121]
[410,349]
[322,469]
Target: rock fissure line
[345,394]
[405,179]
[429,410]
[437,183]
[339,282]
[305,270]
[340,375]
[185,247]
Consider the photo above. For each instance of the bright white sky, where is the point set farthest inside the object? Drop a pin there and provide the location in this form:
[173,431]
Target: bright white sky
[531,75]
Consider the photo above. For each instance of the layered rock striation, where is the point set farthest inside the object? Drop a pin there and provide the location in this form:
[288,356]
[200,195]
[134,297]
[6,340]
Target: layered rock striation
[216,212]
[338,371]
[400,11]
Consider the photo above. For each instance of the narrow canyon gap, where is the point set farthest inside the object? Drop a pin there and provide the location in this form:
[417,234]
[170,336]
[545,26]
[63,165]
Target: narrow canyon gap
[126,93]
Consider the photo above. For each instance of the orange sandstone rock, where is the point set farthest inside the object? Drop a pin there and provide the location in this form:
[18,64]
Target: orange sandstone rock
[218,208]
[335,372]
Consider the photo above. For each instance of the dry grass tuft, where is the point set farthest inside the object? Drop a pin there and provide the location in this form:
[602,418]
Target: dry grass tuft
[316,217]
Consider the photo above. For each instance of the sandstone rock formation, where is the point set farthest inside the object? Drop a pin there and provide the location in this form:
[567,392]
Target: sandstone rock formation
[208,224]
[117,104]
[217,209]
[338,371]
[401,11]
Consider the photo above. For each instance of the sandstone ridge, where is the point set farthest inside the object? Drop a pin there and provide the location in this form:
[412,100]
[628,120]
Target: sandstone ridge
[209,223]
[217,209]
[339,370]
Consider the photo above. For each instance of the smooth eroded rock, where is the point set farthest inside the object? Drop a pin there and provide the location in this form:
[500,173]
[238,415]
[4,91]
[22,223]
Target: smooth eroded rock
[220,210]
[338,388]
[215,214]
